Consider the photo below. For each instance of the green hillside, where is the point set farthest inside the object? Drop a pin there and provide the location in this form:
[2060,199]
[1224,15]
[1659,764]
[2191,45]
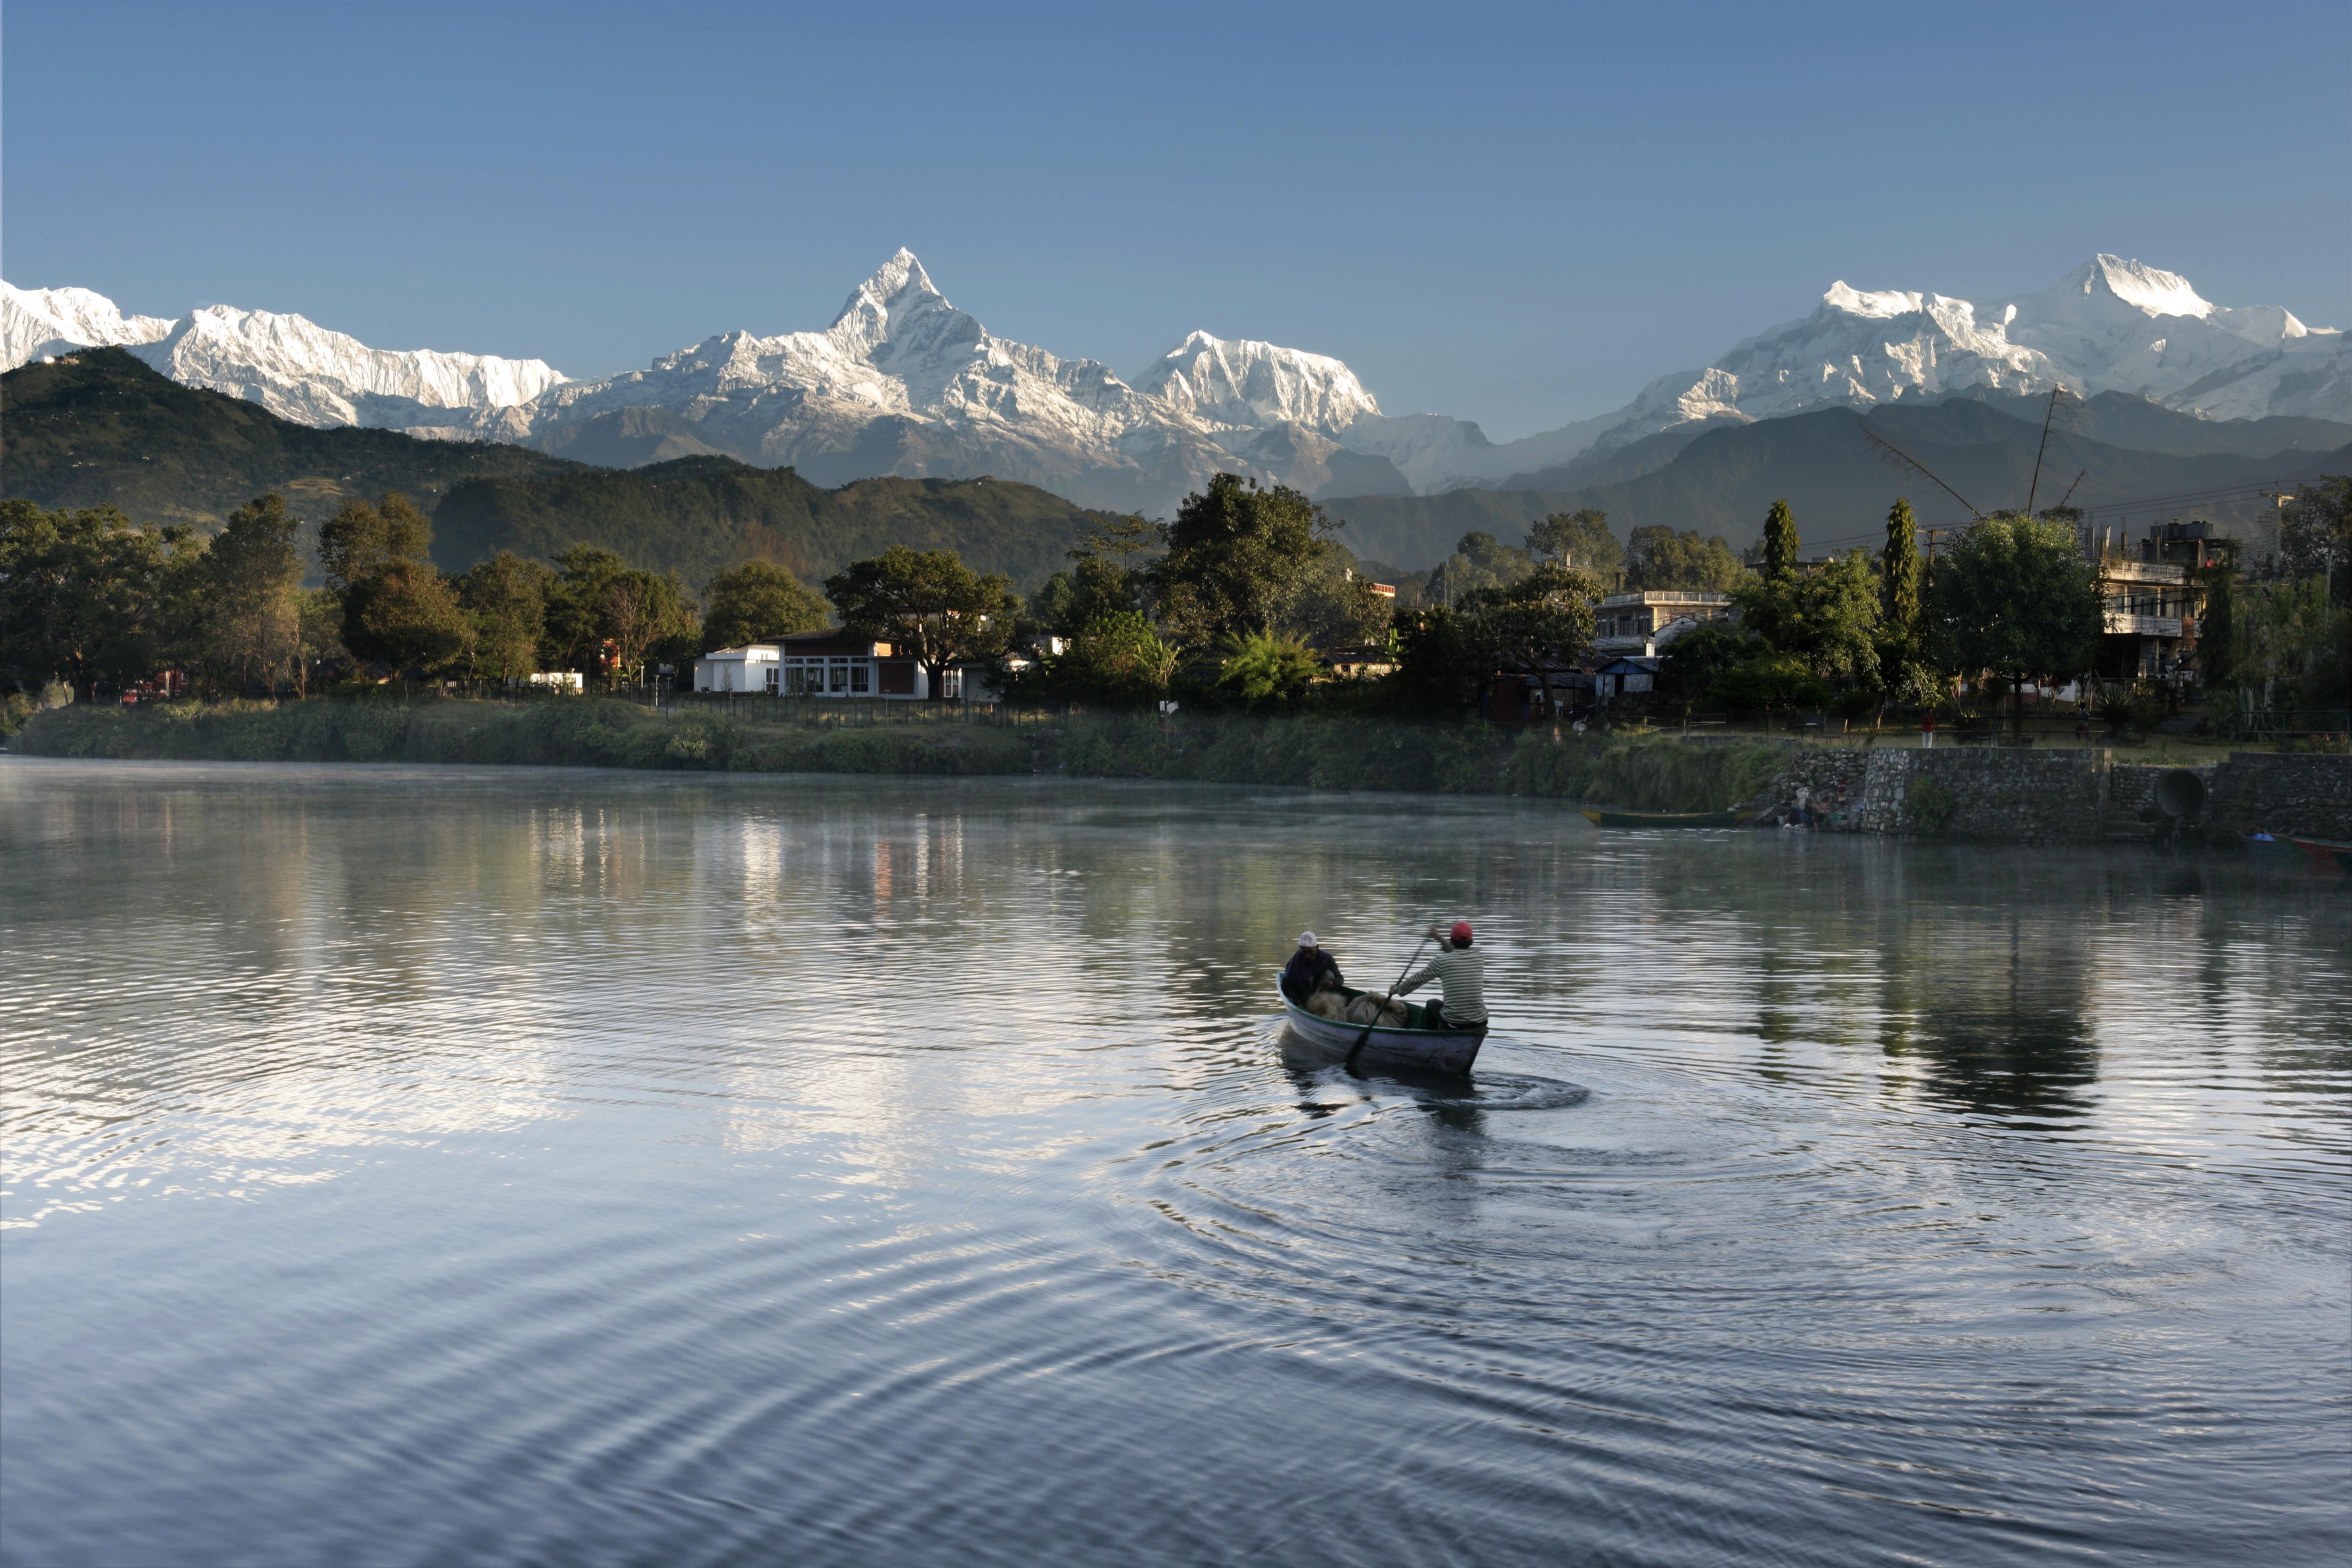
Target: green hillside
[700,515]
[1840,485]
[101,427]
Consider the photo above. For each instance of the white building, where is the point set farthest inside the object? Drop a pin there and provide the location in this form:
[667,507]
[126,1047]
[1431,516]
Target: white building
[752,668]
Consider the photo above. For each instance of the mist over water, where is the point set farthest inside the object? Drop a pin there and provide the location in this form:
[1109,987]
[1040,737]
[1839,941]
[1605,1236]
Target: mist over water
[518,1167]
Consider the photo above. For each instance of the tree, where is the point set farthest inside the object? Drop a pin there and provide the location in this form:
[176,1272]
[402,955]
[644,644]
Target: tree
[642,610]
[1774,682]
[1533,634]
[1578,539]
[757,600]
[576,631]
[87,597]
[249,622]
[1102,580]
[927,604]
[321,629]
[1438,664]
[1658,557]
[362,541]
[1780,543]
[1480,563]
[1905,675]
[1268,666]
[397,606]
[1823,618]
[1242,559]
[2315,534]
[506,597]
[406,617]
[1694,660]
[1115,657]
[2016,598]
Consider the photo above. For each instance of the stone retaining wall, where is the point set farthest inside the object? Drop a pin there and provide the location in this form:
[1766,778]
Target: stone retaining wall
[2074,795]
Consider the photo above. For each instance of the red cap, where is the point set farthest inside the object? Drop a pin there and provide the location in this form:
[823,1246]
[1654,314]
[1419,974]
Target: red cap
[1462,932]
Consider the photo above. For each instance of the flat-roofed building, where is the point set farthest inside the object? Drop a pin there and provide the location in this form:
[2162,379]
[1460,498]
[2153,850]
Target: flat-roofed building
[1630,622]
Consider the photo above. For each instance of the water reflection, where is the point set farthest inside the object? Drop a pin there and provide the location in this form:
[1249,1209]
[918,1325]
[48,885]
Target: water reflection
[518,1167]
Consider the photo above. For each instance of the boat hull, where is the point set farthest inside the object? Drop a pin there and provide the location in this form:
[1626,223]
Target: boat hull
[1600,818]
[1403,1050]
[2333,853]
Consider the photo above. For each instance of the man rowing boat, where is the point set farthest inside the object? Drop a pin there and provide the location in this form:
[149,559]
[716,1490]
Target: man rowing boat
[1461,974]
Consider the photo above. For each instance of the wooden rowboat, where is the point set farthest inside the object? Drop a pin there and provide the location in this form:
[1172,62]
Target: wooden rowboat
[2334,853]
[1602,818]
[1409,1050]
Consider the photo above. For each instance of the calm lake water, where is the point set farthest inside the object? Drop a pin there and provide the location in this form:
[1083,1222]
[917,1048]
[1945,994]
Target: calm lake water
[515,1167]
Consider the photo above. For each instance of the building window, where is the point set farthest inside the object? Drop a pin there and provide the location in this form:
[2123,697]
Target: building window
[861,678]
[772,674]
[840,682]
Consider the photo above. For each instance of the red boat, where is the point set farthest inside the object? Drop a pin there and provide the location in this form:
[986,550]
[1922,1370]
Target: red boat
[2330,852]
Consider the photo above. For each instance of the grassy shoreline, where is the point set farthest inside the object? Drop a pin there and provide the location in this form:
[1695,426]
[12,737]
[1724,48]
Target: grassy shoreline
[1657,773]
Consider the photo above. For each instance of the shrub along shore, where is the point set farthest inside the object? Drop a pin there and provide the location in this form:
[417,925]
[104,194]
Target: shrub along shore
[1656,772]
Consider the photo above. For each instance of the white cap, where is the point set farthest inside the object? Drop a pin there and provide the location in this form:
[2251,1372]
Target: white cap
[1306,939]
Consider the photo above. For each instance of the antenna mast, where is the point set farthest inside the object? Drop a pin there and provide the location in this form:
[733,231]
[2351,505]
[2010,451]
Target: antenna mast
[2049,416]
[1903,461]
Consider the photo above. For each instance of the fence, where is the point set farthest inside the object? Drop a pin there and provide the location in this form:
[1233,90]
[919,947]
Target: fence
[2283,724]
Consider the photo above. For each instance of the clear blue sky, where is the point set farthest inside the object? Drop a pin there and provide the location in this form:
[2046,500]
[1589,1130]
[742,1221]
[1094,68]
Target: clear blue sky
[1517,215]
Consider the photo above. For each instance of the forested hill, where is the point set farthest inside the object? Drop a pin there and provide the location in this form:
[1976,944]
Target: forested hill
[700,515]
[99,426]
[1840,485]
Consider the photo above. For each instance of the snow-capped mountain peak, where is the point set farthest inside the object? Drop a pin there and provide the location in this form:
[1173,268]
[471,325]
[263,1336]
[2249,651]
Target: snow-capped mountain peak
[40,323]
[1255,385]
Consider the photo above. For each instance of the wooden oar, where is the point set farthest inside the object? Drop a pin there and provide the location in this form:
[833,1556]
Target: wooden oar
[1350,1063]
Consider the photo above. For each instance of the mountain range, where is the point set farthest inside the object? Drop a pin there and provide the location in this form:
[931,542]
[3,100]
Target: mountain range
[99,427]
[903,382]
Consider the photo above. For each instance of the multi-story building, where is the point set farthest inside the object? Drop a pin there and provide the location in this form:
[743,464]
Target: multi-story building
[1638,622]
[2154,599]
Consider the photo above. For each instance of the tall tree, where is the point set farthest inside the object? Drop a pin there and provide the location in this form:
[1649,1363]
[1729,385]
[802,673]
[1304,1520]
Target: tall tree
[87,598]
[1659,558]
[2015,597]
[250,630]
[362,541]
[1780,543]
[1578,539]
[643,610]
[397,606]
[506,597]
[757,600]
[1242,559]
[2315,534]
[927,604]
[1905,675]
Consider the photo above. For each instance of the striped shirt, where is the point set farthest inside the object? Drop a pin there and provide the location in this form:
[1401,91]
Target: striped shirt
[1458,970]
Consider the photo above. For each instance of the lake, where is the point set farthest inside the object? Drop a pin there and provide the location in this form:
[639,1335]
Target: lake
[415,1165]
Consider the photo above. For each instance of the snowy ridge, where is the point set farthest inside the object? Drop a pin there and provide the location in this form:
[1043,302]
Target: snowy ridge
[2109,325]
[903,382]
[36,324]
[295,368]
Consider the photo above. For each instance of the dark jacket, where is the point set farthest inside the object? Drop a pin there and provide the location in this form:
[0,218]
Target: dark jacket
[1303,975]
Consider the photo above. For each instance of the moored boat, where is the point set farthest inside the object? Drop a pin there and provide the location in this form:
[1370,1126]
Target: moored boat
[2333,853]
[1602,817]
[1409,1050]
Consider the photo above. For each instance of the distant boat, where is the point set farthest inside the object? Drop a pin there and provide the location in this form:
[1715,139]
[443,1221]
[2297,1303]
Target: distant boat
[1735,817]
[2333,853]
[1414,1050]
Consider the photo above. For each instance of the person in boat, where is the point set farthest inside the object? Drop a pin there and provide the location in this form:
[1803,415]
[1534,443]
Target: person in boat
[1310,969]
[1460,973]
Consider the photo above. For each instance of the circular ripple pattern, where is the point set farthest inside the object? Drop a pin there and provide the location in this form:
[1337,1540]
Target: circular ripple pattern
[508,1167]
